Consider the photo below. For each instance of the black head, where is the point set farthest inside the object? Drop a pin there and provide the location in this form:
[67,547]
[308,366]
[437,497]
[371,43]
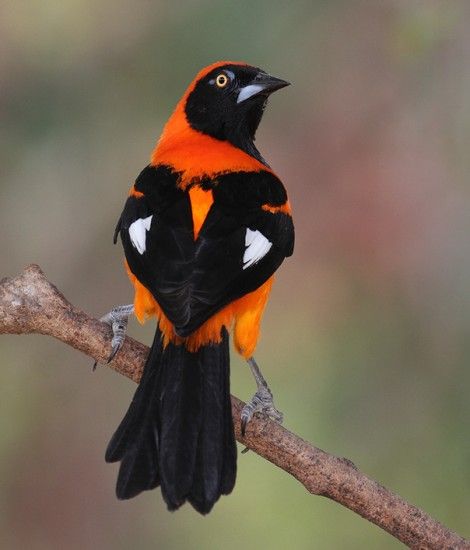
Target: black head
[228,102]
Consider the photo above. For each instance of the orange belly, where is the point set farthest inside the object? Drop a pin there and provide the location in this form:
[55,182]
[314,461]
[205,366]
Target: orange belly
[244,315]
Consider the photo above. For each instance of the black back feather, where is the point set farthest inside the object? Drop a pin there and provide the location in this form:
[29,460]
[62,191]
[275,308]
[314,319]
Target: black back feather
[193,279]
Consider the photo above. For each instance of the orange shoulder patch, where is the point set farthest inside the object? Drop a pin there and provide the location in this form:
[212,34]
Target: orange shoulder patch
[283,209]
[134,193]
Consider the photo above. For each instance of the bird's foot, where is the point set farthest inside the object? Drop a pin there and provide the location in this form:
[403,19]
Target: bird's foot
[261,402]
[117,319]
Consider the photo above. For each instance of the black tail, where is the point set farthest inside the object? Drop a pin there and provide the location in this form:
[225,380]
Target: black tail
[178,431]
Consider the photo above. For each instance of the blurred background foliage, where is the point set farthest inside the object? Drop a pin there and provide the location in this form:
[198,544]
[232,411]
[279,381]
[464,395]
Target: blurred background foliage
[365,342]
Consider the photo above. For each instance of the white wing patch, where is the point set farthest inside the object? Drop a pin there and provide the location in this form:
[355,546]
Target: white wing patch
[257,246]
[138,233]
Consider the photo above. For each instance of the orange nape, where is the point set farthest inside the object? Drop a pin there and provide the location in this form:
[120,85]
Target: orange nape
[209,156]
[243,314]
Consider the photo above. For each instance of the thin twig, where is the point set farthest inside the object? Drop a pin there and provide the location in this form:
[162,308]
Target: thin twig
[29,303]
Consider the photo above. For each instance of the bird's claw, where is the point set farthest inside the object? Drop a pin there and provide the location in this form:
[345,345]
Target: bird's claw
[117,319]
[261,402]
[116,344]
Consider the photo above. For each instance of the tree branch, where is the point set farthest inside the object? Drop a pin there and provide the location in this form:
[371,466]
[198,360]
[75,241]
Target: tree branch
[29,303]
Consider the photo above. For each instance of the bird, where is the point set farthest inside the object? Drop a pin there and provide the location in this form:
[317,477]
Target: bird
[204,227]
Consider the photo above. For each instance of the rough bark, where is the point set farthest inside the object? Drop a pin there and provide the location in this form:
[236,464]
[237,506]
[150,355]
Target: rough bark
[29,303]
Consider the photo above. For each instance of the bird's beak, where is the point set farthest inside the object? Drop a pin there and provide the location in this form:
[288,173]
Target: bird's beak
[263,84]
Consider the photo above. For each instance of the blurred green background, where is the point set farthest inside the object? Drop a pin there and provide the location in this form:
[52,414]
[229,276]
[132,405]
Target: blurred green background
[365,342]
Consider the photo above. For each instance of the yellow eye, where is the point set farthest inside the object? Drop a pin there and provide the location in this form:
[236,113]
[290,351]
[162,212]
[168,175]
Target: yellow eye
[222,80]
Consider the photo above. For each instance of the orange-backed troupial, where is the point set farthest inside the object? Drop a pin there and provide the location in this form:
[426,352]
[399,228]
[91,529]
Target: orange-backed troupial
[204,228]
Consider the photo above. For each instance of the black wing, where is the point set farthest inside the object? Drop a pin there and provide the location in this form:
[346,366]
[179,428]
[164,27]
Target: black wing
[157,235]
[239,247]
